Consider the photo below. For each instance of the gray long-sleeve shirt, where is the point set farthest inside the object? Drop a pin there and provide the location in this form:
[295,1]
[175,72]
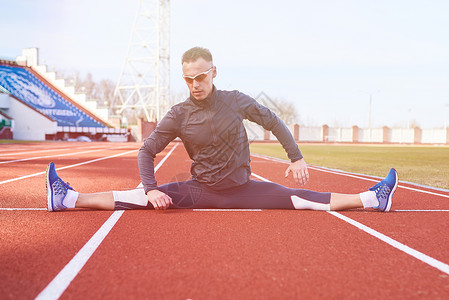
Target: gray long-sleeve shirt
[215,139]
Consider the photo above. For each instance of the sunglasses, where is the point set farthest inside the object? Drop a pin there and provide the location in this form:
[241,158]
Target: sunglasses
[199,77]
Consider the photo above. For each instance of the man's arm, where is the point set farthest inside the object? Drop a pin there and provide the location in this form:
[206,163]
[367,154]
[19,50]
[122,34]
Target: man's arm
[263,116]
[164,133]
[299,171]
[158,199]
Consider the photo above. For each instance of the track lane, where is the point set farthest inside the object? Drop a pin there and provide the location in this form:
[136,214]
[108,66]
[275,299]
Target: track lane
[16,166]
[35,245]
[33,173]
[186,254]
[419,230]
[59,284]
[70,152]
[8,150]
[180,254]
[411,196]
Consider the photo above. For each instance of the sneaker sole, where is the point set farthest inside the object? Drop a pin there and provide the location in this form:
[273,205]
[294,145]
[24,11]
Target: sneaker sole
[390,198]
[49,192]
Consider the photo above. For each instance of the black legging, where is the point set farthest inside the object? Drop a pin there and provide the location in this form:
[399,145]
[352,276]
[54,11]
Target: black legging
[251,195]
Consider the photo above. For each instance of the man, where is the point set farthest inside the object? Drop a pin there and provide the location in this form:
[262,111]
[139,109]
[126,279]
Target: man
[209,123]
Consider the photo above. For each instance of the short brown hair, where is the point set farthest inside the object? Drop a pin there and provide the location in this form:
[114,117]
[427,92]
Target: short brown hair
[193,54]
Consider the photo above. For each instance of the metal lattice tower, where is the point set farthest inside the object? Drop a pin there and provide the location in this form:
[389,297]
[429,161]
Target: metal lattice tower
[143,87]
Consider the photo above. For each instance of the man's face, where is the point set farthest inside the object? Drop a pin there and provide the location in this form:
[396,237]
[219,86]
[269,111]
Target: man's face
[199,77]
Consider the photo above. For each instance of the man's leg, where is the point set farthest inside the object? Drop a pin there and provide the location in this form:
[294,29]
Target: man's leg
[380,196]
[191,194]
[104,201]
[345,201]
[268,195]
[60,196]
[130,200]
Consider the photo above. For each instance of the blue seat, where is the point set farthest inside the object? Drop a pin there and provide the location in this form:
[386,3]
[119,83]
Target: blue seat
[34,92]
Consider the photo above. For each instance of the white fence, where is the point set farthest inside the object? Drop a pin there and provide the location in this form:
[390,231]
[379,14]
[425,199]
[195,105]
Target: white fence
[311,134]
[326,134]
[370,135]
[434,136]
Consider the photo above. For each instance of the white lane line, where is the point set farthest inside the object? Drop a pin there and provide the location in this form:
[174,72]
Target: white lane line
[62,154]
[406,249]
[69,166]
[161,162]
[219,209]
[60,283]
[165,157]
[423,210]
[423,191]
[33,151]
[416,254]
[22,208]
[347,174]
[48,156]
[260,177]
[375,180]
[226,209]
[44,150]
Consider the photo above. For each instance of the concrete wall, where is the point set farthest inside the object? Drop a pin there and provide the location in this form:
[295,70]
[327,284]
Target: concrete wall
[4,101]
[28,123]
[434,136]
[355,134]
[402,135]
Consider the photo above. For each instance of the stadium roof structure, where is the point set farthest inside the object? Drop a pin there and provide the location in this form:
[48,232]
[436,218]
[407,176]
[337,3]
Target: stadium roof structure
[27,86]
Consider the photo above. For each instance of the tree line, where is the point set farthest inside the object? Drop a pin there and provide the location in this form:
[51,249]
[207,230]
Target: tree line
[103,93]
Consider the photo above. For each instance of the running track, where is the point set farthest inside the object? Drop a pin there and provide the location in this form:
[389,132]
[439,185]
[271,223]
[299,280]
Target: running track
[224,254]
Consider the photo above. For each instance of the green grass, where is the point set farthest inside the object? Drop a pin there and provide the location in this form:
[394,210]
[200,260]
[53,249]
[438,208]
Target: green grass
[17,142]
[427,165]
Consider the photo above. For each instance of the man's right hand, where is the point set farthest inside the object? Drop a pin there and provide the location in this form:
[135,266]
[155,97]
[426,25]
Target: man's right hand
[158,199]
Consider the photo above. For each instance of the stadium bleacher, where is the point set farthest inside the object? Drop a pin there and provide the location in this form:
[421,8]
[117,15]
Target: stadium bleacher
[28,88]
[41,110]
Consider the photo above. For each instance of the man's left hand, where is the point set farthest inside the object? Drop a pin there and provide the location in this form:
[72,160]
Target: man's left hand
[299,171]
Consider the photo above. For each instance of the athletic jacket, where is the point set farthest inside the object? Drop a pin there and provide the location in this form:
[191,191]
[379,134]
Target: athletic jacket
[215,139]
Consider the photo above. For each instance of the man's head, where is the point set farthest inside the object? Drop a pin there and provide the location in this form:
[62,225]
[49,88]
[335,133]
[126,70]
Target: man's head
[199,71]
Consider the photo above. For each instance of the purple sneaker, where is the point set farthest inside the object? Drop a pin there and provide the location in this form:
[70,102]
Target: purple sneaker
[56,189]
[385,190]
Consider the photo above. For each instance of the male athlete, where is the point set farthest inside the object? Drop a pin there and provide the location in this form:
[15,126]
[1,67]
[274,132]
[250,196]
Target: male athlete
[209,123]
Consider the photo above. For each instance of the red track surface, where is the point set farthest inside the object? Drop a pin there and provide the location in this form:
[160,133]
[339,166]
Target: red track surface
[186,254]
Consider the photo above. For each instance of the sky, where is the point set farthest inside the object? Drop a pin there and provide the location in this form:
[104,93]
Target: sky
[327,57]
